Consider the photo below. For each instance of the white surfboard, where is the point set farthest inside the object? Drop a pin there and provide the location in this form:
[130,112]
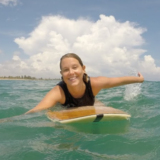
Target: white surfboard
[87,114]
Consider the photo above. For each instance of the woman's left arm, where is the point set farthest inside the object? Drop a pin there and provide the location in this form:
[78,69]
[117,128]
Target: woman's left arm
[99,83]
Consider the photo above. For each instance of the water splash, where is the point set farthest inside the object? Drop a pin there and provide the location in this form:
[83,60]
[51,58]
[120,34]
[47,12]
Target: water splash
[132,90]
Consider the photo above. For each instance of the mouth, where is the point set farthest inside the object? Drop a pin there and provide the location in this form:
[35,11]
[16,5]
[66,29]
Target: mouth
[72,79]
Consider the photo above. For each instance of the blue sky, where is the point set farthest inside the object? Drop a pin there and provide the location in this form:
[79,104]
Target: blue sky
[20,18]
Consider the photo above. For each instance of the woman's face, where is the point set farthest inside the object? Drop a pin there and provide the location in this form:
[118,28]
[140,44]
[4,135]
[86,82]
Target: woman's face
[72,72]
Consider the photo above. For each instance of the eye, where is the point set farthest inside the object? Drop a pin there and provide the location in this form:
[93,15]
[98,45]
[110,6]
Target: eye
[74,67]
[65,70]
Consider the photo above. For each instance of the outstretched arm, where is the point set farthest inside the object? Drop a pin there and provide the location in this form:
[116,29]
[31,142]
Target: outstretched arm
[114,82]
[52,97]
[99,83]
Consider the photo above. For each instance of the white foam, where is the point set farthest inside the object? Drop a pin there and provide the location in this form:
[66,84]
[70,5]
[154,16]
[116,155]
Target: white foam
[132,90]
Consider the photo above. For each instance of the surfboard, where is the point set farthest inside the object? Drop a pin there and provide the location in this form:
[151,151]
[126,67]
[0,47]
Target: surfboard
[87,114]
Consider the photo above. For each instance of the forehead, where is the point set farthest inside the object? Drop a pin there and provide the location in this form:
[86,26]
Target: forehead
[69,61]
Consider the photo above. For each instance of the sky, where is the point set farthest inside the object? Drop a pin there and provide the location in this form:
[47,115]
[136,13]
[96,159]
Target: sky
[112,37]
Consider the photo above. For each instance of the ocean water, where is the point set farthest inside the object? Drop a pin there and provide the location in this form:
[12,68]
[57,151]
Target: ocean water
[35,137]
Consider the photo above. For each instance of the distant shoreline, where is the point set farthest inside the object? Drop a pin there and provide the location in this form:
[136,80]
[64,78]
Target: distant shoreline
[26,79]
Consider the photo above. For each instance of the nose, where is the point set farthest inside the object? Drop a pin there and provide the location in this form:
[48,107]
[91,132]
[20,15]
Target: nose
[71,71]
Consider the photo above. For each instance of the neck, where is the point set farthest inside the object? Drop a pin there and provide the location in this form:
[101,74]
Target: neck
[77,91]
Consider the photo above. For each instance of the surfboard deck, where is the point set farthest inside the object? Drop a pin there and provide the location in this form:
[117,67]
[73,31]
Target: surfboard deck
[87,114]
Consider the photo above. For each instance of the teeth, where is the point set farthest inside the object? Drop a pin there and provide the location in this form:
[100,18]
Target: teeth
[73,78]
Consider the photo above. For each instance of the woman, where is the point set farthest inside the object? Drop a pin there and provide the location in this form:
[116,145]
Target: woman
[76,88]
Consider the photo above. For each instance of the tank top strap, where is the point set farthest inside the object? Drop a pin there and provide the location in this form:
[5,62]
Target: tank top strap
[65,89]
[89,87]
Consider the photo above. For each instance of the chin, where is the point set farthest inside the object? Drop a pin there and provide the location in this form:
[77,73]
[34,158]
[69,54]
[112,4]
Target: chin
[74,83]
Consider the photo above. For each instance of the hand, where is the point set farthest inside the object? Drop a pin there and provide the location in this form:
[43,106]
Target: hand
[141,77]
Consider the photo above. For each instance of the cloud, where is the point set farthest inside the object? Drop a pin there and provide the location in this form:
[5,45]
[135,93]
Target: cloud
[107,47]
[9,2]
[149,68]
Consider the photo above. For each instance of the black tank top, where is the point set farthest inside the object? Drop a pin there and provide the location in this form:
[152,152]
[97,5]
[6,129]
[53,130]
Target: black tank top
[87,99]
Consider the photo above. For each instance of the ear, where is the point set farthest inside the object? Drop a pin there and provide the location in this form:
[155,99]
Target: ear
[61,72]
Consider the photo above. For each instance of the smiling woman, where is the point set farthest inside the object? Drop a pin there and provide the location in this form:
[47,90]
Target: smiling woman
[76,84]
[76,88]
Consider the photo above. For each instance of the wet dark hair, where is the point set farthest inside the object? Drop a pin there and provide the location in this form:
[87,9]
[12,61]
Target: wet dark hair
[73,55]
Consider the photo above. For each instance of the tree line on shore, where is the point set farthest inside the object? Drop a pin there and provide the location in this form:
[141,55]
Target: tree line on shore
[26,77]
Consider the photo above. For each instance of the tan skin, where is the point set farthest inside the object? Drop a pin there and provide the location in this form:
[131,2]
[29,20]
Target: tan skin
[72,73]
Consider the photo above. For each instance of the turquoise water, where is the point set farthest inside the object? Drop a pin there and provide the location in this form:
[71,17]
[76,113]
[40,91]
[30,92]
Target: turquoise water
[35,137]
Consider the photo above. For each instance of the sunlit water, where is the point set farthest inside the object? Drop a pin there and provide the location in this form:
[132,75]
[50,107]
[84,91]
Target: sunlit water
[35,137]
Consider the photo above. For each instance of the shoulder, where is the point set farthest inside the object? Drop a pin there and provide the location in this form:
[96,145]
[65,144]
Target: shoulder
[98,83]
[57,94]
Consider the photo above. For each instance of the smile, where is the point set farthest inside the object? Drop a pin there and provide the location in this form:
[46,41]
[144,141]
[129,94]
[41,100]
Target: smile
[72,79]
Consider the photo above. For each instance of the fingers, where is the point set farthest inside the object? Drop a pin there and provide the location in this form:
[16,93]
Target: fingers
[140,76]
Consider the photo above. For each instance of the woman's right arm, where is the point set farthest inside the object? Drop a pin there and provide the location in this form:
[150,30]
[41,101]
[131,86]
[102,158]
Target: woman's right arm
[52,97]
